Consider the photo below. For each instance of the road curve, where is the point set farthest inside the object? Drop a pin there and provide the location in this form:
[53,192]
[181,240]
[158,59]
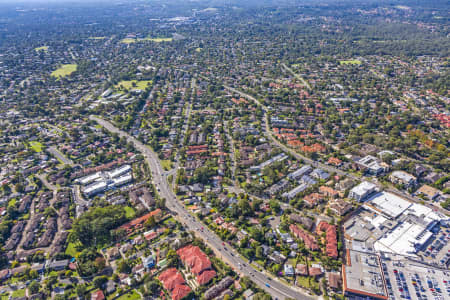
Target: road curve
[275,288]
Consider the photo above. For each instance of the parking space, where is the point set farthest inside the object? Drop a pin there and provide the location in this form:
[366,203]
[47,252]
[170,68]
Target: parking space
[410,280]
[438,249]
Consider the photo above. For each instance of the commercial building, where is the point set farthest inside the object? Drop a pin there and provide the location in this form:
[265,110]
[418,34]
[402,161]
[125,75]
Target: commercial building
[362,276]
[387,204]
[362,190]
[102,181]
[119,171]
[389,223]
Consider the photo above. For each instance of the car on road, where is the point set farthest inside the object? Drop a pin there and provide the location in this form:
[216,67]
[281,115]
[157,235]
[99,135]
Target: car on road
[268,285]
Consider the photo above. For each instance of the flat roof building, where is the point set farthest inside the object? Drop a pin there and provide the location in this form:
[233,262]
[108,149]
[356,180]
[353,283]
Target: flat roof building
[388,204]
[119,171]
[95,188]
[362,276]
[362,190]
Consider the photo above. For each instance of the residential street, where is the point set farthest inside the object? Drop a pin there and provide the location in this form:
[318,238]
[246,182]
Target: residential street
[272,286]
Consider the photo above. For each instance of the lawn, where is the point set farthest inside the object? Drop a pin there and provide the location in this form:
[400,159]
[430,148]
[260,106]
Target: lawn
[128,41]
[71,250]
[36,146]
[350,62]
[129,212]
[12,202]
[130,296]
[128,84]
[306,282]
[171,219]
[158,40]
[64,70]
[18,293]
[43,48]
[166,164]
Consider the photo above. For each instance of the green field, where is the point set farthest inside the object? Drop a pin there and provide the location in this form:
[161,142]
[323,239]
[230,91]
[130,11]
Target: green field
[157,40]
[71,250]
[36,146]
[350,62]
[43,48]
[64,70]
[129,212]
[166,164]
[128,84]
[128,41]
[18,294]
[133,295]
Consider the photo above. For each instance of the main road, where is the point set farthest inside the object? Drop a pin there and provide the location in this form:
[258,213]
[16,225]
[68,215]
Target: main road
[275,288]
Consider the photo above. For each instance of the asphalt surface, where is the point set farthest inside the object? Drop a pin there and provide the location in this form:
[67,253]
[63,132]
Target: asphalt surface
[274,287]
[60,156]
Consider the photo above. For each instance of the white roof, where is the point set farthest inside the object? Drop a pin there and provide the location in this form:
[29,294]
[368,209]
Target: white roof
[122,180]
[406,177]
[423,212]
[389,204]
[119,171]
[401,240]
[363,188]
[295,190]
[90,178]
[378,220]
[95,187]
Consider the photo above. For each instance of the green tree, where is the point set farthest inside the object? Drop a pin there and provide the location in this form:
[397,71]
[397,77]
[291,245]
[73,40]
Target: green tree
[100,281]
[80,289]
[124,267]
[34,287]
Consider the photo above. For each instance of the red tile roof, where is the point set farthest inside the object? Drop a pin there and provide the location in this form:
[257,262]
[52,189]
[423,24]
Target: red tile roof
[310,241]
[331,238]
[195,259]
[334,161]
[313,199]
[206,277]
[138,222]
[180,291]
[313,148]
[196,152]
[97,295]
[199,147]
[315,271]
[171,278]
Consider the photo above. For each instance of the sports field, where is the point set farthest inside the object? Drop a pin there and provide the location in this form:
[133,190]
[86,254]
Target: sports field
[128,84]
[64,70]
[350,62]
[43,48]
[128,41]
[36,146]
